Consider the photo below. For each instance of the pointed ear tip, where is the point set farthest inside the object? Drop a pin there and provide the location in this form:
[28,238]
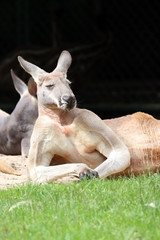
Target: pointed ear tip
[12,72]
[66,52]
[20,58]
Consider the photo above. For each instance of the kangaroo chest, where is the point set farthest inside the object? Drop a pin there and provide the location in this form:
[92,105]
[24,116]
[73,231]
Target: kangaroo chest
[75,144]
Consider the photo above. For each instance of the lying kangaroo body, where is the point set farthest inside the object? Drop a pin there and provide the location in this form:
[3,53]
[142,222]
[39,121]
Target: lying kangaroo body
[75,139]
[16,128]
[141,134]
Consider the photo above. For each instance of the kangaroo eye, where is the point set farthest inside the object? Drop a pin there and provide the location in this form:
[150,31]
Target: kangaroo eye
[50,86]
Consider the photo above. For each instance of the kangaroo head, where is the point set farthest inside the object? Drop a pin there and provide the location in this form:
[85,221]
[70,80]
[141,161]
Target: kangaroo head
[53,89]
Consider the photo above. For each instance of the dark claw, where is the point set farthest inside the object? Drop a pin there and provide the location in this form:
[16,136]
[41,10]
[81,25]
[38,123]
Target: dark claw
[95,174]
[89,174]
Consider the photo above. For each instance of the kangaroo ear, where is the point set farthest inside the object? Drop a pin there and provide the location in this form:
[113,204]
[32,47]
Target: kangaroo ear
[32,69]
[32,87]
[19,85]
[64,62]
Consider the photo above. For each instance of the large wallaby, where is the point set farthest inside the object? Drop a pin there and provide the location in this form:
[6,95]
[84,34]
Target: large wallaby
[76,139]
[16,128]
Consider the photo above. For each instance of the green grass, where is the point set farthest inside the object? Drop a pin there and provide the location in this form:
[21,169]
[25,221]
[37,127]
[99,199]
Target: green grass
[124,208]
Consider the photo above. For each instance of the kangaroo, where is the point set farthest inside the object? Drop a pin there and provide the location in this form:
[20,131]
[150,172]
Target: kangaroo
[16,128]
[75,139]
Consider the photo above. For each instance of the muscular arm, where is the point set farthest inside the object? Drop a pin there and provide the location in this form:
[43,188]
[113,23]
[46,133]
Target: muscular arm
[109,145]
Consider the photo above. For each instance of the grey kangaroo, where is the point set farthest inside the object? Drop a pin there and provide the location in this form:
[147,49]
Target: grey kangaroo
[16,128]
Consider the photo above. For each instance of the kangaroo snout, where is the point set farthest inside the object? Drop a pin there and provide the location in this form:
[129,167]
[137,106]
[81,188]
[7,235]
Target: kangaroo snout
[68,102]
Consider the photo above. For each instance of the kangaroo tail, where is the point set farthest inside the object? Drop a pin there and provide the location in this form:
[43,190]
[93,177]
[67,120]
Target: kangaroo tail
[6,168]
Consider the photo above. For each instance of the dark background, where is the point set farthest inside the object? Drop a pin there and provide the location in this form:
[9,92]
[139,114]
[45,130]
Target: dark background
[114,44]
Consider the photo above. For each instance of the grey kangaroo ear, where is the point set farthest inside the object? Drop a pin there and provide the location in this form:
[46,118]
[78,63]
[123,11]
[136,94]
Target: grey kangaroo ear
[19,85]
[64,62]
[32,69]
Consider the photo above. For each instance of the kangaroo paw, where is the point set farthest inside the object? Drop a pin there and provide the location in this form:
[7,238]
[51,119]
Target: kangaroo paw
[89,174]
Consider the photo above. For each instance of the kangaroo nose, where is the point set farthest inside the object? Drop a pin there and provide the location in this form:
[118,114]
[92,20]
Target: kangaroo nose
[70,100]
[67,98]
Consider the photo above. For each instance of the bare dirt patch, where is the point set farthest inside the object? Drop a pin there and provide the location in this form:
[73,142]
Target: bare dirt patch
[19,164]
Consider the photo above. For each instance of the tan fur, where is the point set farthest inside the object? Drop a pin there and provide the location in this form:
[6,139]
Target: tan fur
[141,134]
